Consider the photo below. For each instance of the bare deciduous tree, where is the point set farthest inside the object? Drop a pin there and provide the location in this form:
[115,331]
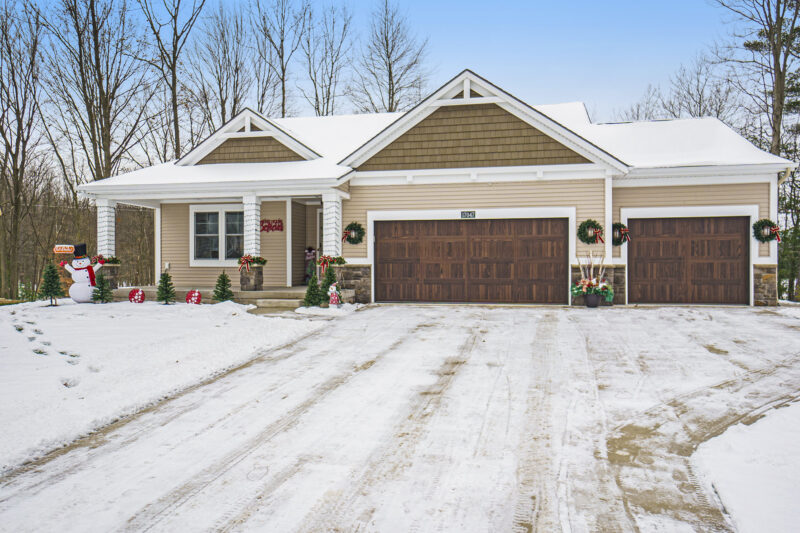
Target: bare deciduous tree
[646,108]
[20,64]
[696,90]
[390,74]
[326,48]
[763,53]
[98,87]
[221,79]
[171,36]
[280,26]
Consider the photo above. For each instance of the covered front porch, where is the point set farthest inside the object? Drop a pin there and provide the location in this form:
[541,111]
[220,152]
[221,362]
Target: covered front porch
[198,235]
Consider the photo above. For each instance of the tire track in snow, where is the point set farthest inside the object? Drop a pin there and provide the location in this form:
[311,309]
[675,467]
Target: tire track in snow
[391,459]
[651,454]
[156,511]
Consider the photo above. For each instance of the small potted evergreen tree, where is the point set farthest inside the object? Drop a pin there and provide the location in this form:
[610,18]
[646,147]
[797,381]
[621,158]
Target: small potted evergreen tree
[166,290]
[102,291]
[313,295]
[222,290]
[51,284]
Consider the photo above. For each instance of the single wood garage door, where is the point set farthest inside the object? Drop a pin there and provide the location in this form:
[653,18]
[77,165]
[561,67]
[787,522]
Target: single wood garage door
[704,260]
[491,261]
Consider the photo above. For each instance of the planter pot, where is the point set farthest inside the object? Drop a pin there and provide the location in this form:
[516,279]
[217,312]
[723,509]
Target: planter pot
[253,280]
[111,273]
[592,300]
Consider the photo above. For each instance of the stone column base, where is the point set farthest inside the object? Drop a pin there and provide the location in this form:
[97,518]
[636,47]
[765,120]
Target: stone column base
[111,273]
[765,285]
[357,278]
[253,280]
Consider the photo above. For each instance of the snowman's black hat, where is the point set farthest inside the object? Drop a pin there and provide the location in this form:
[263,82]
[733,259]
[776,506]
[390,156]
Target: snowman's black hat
[80,251]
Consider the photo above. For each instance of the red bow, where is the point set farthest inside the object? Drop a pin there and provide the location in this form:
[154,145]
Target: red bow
[244,262]
[598,236]
[625,236]
[324,261]
[777,231]
[346,235]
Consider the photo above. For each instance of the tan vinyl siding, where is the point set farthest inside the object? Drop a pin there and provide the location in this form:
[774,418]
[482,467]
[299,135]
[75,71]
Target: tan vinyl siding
[585,195]
[482,135]
[273,245]
[298,243]
[250,150]
[693,195]
[175,235]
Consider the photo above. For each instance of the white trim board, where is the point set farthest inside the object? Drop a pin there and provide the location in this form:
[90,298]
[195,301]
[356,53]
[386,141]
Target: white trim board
[206,208]
[480,214]
[751,211]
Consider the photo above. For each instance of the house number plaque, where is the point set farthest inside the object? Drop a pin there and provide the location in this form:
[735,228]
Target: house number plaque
[467,214]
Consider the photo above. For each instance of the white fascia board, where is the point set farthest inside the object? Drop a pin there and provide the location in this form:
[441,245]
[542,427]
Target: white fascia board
[708,170]
[478,174]
[155,191]
[672,181]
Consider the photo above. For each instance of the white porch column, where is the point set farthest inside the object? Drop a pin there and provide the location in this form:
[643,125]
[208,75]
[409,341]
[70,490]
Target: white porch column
[252,225]
[331,225]
[106,227]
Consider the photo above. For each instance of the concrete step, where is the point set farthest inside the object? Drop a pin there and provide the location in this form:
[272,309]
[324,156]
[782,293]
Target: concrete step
[278,303]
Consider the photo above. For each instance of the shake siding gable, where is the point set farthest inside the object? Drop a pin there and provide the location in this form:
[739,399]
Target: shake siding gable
[585,195]
[250,150]
[483,135]
[693,195]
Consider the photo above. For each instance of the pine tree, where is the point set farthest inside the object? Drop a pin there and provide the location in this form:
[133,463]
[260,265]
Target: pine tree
[102,291]
[313,294]
[222,291]
[166,290]
[51,284]
[327,281]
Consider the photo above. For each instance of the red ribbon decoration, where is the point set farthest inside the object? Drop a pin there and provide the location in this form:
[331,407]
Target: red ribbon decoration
[777,231]
[324,261]
[598,236]
[244,262]
[625,236]
[345,236]
[89,270]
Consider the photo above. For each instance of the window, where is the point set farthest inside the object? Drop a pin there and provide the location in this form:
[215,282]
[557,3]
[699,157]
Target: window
[217,237]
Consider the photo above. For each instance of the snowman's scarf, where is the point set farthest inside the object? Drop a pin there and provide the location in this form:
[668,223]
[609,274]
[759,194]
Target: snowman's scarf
[90,270]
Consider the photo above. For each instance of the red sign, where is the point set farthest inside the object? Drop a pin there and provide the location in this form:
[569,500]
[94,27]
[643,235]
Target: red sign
[63,249]
[272,225]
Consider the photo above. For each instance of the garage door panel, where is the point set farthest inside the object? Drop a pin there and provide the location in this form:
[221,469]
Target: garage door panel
[689,260]
[518,260]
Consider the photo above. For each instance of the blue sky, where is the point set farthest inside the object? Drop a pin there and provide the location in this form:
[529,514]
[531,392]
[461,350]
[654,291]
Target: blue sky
[601,53]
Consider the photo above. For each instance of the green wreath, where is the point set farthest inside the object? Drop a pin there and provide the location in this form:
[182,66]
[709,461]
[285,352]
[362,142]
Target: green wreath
[758,230]
[354,233]
[583,231]
[618,234]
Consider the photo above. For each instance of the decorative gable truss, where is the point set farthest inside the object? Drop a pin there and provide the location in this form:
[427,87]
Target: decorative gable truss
[487,128]
[248,138]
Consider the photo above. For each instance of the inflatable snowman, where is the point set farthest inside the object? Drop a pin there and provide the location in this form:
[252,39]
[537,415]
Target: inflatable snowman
[82,271]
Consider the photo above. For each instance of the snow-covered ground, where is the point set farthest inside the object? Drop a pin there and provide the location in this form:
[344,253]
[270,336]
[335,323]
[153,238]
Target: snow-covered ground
[755,470]
[67,370]
[428,418]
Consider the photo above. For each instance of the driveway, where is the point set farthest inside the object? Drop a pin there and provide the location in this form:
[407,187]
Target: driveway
[427,418]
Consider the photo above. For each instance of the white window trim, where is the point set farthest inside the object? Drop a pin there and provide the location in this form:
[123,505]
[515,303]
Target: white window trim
[455,214]
[751,211]
[210,208]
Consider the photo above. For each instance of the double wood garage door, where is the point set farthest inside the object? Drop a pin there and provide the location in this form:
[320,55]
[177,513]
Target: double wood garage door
[702,260]
[491,261]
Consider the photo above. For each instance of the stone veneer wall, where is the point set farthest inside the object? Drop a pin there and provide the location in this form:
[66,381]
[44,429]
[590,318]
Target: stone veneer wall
[615,274]
[357,278]
[765,285]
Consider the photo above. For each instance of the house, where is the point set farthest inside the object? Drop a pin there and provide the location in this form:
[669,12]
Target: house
[471,196]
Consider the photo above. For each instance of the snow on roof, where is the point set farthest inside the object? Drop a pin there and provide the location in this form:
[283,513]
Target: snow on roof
[676,143]
[653,144]
[334,137]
